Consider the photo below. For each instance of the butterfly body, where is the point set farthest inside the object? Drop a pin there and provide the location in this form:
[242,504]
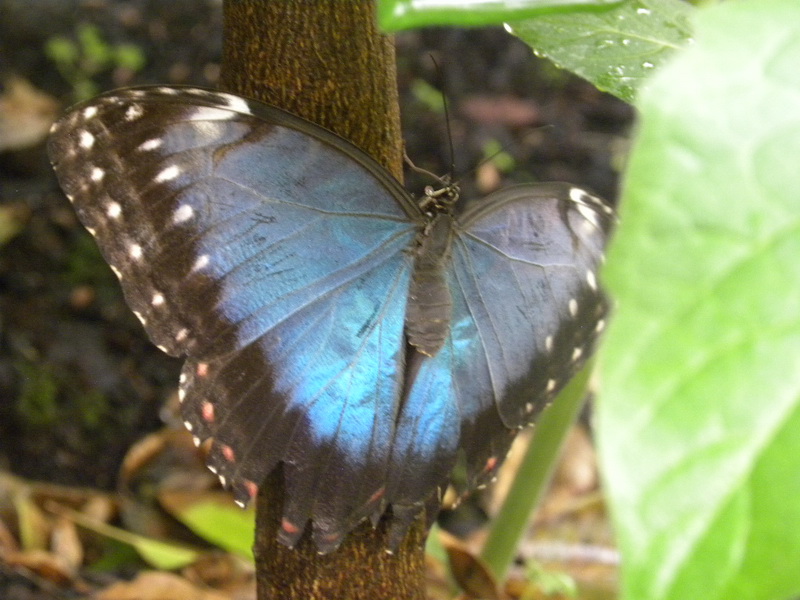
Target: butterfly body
[429,302]
[330,322]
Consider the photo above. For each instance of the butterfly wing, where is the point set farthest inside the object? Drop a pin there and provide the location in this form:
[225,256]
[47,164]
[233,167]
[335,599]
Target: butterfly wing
[271,254]
[526,310]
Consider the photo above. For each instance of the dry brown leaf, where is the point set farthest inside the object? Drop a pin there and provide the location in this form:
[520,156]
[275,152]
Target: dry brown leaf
[25,115]
[224,572]
[155,585]
[100,508]
[488,177]
[45,564]
[7,541]
[34,529]
[65,542]
[162,462]
[472,575]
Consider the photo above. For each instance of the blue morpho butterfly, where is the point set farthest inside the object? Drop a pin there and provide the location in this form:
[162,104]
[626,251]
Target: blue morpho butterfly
[330,321]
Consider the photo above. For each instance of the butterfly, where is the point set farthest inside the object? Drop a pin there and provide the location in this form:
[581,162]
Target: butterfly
[331,323]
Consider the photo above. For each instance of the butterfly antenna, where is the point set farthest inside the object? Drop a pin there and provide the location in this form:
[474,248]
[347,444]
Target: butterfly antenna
[422,171]
[446,122]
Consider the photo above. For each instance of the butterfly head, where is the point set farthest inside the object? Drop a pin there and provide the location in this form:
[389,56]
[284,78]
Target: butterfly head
[440,200]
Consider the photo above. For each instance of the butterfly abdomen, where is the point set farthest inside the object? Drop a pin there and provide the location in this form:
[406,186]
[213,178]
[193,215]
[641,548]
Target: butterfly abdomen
[429,302]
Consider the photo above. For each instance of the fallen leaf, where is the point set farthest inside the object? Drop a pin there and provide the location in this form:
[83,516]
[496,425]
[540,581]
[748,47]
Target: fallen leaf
[154,585]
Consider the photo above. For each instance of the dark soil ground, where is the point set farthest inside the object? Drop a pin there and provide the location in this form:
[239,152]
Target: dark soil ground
[79,381]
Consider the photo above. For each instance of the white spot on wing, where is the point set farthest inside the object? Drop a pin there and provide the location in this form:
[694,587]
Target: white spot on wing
[113,209]
[184,213]
[89,112]
[576,353]
[116,271]
[181,395]
[201,262]
[210,113]
[168,174]
[150,144]
[158,299]
[577,195]
[87,140]
[196,441]
[179,337]
[548,343]
[573,307]
[601,324]
[97,174]
[135,250]
[134,112]
[588,213]
[239,503]
[140,316]
[591,280]
[188,425]
[236,103]
[551,385]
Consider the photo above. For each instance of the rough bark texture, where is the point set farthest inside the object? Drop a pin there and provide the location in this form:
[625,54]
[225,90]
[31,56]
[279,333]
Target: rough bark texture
[323,60]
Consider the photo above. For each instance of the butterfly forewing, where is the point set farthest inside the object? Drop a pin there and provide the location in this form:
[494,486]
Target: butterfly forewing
[542,245]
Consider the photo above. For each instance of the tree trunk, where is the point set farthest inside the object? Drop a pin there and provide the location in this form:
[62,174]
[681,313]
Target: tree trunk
[323,60]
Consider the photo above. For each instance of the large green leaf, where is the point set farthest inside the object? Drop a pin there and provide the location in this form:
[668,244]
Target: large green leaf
[615,49]
[404,14]
[699,424]
[221,523]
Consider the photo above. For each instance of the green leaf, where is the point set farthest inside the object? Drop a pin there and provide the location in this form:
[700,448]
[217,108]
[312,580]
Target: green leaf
[96,52]
[533,476]
[394,15]
[615,49]
[129,56]
[223,524]
[493,151]
[163,555]
[699,424]
[61,50]
[428,95]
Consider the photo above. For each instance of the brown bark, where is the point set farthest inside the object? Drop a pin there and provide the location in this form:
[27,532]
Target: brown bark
[325,61]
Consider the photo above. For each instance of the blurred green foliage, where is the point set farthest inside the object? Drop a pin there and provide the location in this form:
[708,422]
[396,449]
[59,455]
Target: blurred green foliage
[82,58]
